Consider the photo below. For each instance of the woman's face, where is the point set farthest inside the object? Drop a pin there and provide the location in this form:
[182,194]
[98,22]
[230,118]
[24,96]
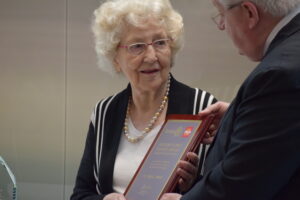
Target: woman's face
[147,71]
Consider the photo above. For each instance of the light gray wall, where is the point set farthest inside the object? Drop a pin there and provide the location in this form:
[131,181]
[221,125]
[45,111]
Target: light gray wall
[49,83]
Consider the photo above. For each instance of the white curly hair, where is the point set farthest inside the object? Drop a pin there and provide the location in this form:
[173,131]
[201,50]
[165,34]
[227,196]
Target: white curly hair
[112,15]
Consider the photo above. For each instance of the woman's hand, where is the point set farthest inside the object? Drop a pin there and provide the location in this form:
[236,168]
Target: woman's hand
[114,196]
[218,109]
[187,170]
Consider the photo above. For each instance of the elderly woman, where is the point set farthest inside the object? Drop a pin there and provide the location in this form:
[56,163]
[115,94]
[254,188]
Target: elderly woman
[140,40]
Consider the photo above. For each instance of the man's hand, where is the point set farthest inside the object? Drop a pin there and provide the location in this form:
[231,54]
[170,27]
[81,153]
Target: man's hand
[171,196]
[114,196]
[218,109]
[187,170]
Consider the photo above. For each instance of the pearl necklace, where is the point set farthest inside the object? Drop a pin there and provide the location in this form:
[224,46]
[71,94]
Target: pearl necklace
[149,127]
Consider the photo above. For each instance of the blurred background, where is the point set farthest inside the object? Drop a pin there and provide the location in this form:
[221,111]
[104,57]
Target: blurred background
[49,83]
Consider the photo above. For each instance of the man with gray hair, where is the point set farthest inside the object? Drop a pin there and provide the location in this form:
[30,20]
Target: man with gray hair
[256,154]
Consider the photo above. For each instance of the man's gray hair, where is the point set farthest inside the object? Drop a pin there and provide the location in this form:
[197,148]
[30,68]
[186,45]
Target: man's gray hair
[273,7]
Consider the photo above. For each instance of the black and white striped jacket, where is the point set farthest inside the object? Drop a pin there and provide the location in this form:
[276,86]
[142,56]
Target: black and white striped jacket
[95,174]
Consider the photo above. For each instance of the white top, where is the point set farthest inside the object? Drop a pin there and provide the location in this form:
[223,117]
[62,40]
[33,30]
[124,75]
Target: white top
[130,155]
[279,26]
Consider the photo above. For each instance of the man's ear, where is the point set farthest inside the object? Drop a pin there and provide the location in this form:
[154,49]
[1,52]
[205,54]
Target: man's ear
[252,13]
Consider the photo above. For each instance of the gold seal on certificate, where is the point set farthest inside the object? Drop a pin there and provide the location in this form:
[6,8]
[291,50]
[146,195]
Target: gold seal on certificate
[157,173]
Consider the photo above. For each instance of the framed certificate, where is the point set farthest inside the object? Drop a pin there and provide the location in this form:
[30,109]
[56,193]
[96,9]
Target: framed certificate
[157,173]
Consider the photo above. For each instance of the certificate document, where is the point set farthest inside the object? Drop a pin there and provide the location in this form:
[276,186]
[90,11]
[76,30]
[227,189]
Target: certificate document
[157,173]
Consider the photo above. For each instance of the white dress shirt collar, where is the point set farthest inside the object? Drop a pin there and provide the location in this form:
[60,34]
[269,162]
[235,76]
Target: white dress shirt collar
[279,26]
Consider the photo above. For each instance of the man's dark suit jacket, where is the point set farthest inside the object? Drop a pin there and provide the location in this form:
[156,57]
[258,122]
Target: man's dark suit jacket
[256,153]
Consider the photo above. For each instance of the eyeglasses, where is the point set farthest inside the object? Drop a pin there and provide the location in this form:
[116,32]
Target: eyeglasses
[139,48]
[218,18]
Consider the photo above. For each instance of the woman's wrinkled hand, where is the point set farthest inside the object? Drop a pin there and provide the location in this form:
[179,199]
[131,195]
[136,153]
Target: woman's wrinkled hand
[187,170]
